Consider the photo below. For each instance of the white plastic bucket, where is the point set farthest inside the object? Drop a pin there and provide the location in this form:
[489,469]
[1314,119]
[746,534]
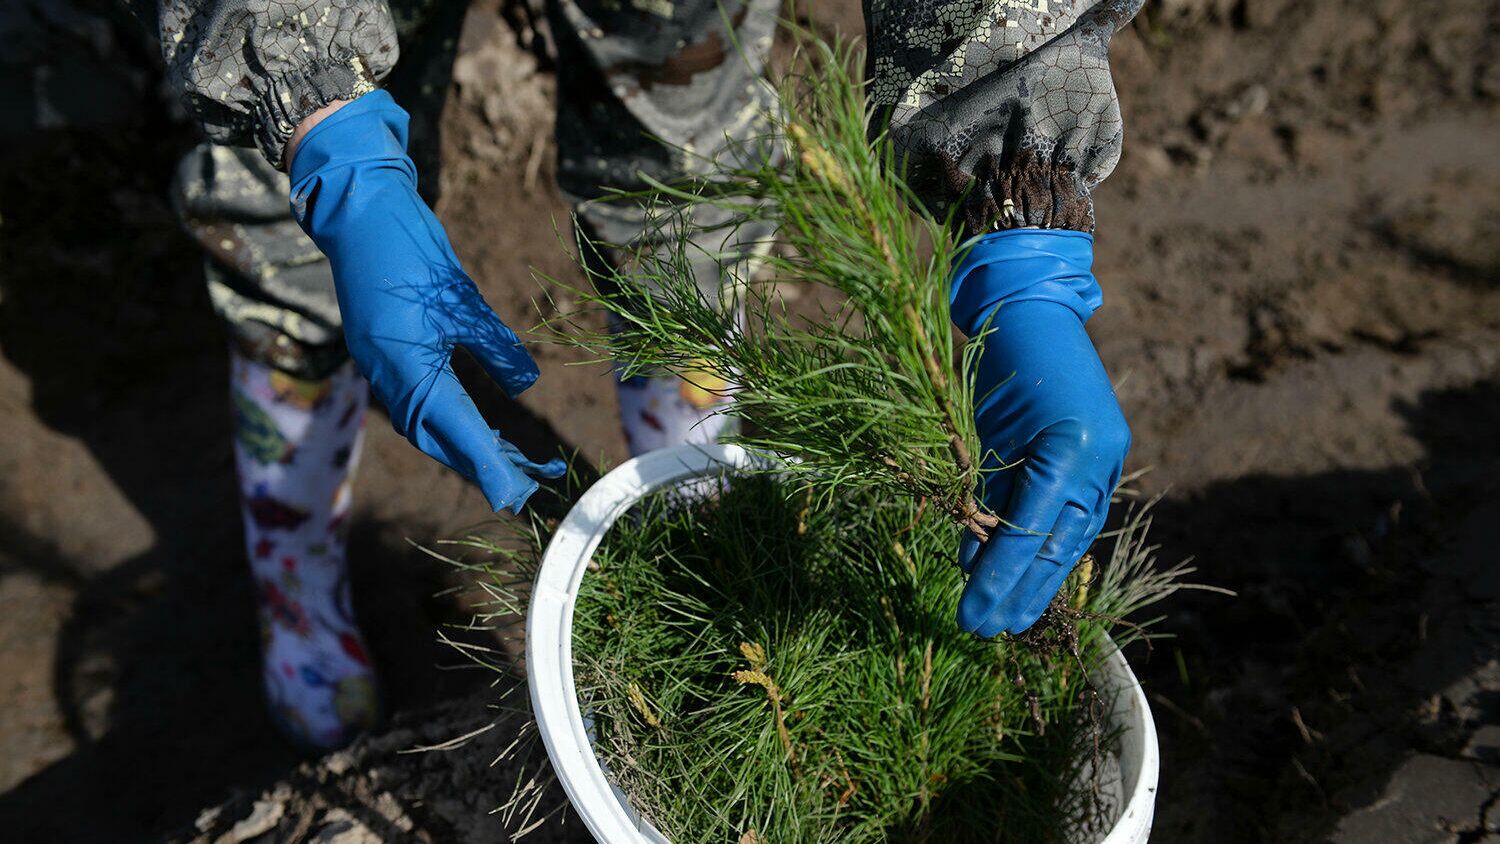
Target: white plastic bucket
[549,658]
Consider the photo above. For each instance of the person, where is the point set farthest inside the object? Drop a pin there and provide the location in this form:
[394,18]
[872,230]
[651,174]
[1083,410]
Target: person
[1003,114]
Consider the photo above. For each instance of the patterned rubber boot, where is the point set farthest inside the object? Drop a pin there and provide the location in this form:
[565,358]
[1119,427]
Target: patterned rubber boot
[297,445]
[665,410]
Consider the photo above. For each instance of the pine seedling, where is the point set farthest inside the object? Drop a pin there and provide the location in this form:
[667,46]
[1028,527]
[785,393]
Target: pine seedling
[866,394]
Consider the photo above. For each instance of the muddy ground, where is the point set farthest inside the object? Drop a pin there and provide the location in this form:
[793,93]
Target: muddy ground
[1301,257]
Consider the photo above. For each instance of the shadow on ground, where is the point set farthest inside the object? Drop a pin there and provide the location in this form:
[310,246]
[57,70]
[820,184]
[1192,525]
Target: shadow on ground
[1357,664]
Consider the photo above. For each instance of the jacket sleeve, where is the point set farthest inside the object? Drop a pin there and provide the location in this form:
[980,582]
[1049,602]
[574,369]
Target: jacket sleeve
[251,70]
[1002,112]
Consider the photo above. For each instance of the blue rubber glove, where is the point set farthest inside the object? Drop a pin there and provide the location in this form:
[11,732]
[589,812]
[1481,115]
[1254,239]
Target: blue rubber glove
[405,300]
[1045,409]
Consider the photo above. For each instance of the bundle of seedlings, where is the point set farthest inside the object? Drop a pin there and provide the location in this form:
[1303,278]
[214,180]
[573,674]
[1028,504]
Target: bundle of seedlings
[775,659]
[758,666]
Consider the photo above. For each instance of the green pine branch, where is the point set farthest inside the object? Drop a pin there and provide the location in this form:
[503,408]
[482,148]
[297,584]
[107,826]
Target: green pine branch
[863,395]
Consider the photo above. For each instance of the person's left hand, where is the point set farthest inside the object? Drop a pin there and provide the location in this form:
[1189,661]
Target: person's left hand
[1054,436]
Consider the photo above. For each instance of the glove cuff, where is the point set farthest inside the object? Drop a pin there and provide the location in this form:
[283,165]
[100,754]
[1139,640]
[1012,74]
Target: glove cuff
[372,128]
[354,159]
[1023,265]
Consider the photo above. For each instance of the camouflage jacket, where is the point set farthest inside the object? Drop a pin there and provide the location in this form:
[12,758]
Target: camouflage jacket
[1004,111]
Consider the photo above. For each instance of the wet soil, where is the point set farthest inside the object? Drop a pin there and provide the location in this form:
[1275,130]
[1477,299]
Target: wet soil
[1302,269]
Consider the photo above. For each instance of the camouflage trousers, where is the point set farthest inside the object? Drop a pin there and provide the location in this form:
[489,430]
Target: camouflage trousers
[644,91]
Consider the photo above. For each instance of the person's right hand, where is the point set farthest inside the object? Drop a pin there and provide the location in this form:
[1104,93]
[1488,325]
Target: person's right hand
[405,300]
